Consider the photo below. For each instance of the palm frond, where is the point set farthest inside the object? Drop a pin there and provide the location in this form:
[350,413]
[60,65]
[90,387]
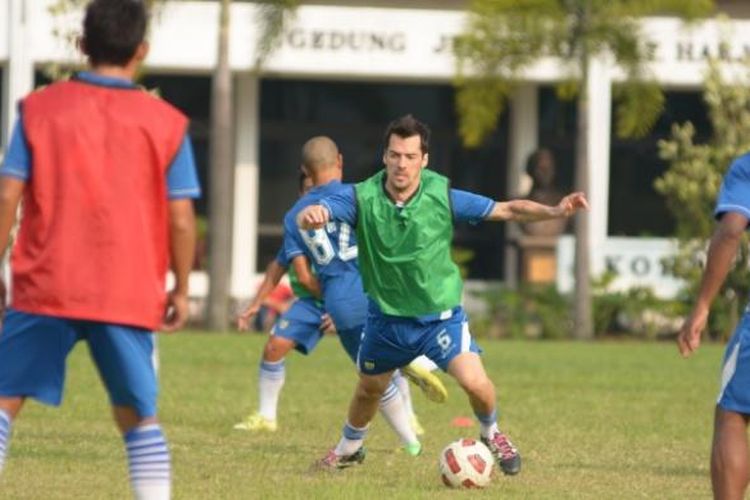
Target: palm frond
[272,18]
[479,103]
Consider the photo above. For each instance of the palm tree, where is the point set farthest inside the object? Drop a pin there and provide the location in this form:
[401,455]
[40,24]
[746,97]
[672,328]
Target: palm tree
[504,37]
[272,14]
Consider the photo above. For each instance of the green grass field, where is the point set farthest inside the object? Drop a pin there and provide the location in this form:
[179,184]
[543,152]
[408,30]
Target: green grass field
[600,420]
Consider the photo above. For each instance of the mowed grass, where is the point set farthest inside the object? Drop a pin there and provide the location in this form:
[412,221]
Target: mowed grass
[599,420]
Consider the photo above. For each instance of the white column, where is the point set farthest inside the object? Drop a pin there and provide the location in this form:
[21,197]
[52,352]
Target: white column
[522,141]
[246,181]
[600,115]
[19,73]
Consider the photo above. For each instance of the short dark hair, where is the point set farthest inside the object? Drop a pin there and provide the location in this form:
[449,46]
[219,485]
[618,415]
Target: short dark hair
[408,126]
[113,30]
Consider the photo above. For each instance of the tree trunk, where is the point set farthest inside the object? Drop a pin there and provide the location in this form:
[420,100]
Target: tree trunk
[583,321]
[220,182]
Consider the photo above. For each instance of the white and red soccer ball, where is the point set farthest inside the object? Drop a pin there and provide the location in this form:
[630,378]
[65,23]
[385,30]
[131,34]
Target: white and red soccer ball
[466,463]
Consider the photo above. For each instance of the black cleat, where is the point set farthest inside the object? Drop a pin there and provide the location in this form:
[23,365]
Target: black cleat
[506,455]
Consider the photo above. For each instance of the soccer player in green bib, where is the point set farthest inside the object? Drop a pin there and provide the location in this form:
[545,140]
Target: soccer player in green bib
[404,218]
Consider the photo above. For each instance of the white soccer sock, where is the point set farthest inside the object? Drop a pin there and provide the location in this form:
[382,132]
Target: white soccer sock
[425,362]
[403,387]
[351,440]
[393,410]
[4,437]
[149,463]
[270,382]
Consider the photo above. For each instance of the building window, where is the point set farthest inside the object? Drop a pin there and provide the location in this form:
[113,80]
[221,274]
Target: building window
[557,132]
[355,115]
[635,208]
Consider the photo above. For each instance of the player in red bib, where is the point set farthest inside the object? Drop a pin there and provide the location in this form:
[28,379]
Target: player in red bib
[106,175]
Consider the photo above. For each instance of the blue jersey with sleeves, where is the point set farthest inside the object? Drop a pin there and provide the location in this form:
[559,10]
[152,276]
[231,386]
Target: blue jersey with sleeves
[182,176]
[333,253]
[734,195]
[467,207]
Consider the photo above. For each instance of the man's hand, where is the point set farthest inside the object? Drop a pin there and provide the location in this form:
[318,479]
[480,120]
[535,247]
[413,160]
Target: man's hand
[244,319]
[689,338]
[326,324]
[313,217]
[571,204]
[176,313]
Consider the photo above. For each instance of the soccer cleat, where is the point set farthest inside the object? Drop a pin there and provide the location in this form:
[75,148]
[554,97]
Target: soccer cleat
[506,455]
[332,462]
[257,422]
[416,426]
[430,384]
[413,449]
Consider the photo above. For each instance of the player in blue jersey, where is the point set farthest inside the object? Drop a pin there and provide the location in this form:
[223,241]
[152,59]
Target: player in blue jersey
[730,465]
[404,218]
[333,252]
[300,327]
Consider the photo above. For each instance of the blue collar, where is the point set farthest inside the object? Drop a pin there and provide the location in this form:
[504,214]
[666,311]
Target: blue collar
[105,81]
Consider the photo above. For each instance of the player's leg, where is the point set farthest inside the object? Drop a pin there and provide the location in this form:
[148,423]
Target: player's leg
[298,328]
[391,403]
[123,358]
[33,349]
[271,378]
[449,343]
[469,372]
[729,455]
[362,408]
[9,408]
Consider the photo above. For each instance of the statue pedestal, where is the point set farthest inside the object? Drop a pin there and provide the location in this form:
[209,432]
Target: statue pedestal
[538,258]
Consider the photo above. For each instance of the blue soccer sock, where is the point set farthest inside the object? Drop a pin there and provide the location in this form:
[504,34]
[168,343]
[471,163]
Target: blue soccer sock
[4,437]
[351,440]
[270,381]
[149,463]
[488,424]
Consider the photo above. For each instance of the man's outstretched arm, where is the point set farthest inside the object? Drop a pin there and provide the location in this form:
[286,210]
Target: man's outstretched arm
[721,252]
[530,211]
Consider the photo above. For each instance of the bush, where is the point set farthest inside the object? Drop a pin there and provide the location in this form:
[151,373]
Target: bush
[541,312]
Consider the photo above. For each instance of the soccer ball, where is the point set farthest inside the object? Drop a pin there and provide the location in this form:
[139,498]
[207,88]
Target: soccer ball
[466,463]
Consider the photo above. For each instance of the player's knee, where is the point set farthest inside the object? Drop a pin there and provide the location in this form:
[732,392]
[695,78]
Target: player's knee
[371,387]
[476,383]
[275,351]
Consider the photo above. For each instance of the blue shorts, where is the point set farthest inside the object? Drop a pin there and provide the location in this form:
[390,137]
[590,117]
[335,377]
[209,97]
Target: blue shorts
[390,342]
[735,374]
[350,340]
[33,350]
[301,324]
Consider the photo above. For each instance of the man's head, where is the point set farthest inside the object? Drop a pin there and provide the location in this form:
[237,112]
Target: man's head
[407,142]
[114,32]
[541,167]
[321,159]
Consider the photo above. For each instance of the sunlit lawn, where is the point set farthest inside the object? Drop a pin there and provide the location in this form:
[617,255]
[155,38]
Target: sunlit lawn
[600,420]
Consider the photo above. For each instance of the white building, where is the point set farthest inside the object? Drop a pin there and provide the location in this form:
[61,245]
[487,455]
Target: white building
[346,68]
